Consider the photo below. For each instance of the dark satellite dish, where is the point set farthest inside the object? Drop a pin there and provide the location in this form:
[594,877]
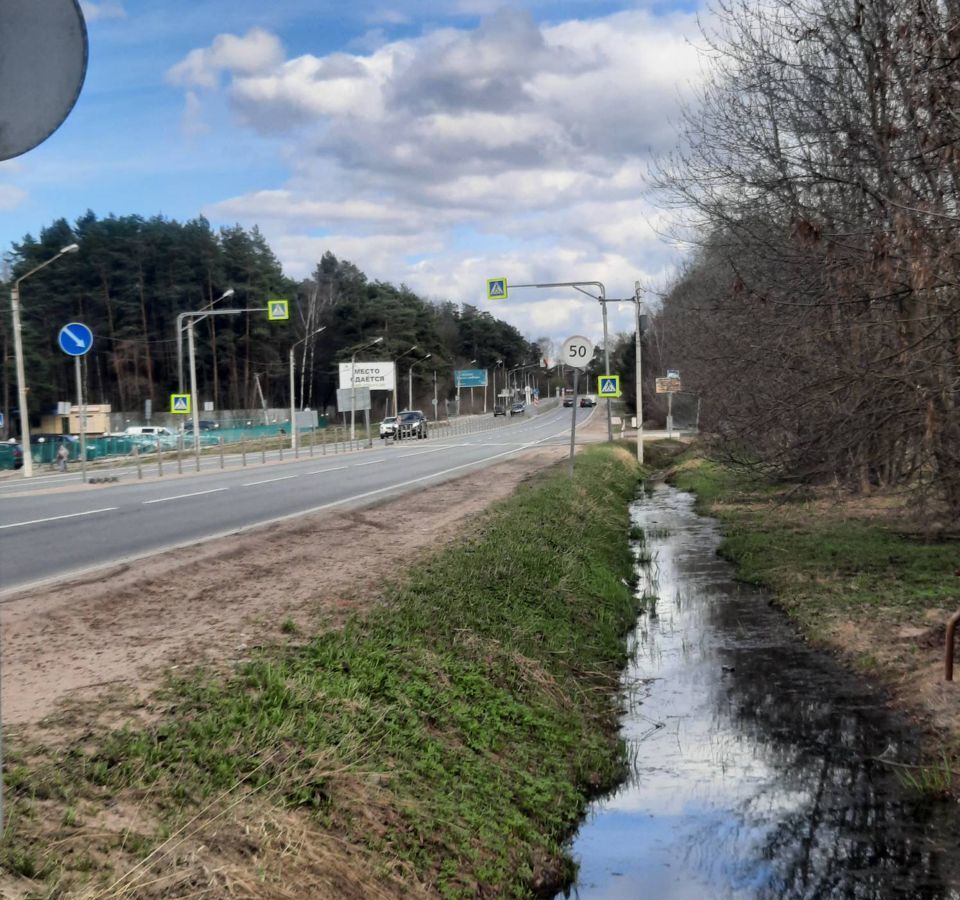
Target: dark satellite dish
[43,60]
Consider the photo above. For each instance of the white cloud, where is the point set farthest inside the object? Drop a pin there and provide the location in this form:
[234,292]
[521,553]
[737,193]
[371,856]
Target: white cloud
[11,197]
[94,11]
[256,51]
[425,158]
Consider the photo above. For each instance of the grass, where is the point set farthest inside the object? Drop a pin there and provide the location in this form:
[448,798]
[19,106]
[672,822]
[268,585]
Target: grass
[456,734]
[823,564]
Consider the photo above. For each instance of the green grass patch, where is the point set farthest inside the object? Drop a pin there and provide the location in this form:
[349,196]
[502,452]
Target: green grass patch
[474,710]
[822,563]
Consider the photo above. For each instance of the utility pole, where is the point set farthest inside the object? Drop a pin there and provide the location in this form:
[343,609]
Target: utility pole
[637,290]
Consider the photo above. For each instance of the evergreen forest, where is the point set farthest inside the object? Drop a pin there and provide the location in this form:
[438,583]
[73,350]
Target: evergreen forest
[132,277]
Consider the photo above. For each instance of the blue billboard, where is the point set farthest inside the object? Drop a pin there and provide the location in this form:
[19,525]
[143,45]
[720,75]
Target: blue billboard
[468,378]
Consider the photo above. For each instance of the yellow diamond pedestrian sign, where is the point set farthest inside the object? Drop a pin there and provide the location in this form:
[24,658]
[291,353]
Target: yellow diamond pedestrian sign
[180,404]
[608,386]
[278,310]
[496,288]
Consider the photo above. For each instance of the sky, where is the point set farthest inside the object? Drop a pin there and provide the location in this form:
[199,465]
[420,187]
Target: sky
[435,143]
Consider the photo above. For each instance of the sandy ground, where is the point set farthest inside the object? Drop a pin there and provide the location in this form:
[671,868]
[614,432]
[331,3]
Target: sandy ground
[124,627]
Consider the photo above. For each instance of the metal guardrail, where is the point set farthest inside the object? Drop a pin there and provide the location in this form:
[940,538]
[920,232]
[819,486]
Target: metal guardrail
[118,453]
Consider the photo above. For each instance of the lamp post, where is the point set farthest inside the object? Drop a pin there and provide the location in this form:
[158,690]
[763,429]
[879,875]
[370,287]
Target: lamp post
[18,355]
[410,379]
[295,440]
[637,290]
[580,285]
[498,365]
[472,361]
[197,315]
[396,369]
[353,386]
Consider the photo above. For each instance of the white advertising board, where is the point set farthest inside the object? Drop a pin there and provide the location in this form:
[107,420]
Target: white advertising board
[378,376]
[347,396]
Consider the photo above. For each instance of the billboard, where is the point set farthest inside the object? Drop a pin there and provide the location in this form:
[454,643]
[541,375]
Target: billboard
[378,376]
[470,378]
[346,396]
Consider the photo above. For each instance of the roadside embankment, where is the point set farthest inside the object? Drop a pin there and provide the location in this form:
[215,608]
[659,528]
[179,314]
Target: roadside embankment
[443,743]
[856,576]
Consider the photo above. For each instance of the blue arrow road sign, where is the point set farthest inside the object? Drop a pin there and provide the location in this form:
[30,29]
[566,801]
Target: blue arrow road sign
[75,339]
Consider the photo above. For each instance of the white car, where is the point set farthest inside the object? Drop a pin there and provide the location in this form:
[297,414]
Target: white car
[388,427]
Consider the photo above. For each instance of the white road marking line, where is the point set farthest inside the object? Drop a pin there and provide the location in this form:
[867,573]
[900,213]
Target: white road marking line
[183,496]
[372,462]
[89,512]
[268,480]
[331,469]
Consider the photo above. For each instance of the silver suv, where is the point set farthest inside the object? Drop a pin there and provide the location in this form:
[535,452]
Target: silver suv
[411,423]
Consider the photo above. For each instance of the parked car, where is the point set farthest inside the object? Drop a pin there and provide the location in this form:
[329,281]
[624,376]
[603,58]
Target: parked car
[518,409]
[388,427]
[411,423]
[205,425]
[17,452]
[568,401]
[151,430]
[499,409]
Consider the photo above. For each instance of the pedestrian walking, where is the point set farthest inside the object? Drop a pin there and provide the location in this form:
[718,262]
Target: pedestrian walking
[63,454]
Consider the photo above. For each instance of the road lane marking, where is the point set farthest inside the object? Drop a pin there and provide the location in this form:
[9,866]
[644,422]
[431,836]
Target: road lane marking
[372,462]
[183,496]
[331,469]
[269,480]
[89,512]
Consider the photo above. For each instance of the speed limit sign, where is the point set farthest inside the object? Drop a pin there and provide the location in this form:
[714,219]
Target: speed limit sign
[577,352]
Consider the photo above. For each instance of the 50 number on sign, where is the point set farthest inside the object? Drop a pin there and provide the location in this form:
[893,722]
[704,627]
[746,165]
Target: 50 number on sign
[577,351]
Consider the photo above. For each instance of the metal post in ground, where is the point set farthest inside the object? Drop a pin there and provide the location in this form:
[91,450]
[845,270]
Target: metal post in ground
[573,419]
[243,452]
[159,460]
[220,441]
[263,448]
[136,454]
[180,453]
[82,412]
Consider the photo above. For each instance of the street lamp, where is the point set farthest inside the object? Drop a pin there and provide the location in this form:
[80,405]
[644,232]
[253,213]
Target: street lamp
[410,379]
[196,315]
[18,354]
[637,290]
[295,441]
[353,386]
[472,361]
[499,364]
[396,369]
[580,286]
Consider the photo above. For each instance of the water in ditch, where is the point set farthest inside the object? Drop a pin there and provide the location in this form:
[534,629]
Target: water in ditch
[759,768]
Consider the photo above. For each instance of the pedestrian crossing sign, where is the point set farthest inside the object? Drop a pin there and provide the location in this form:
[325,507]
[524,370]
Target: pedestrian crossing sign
[608,386]
[180,404]
[278,310]
[496,288]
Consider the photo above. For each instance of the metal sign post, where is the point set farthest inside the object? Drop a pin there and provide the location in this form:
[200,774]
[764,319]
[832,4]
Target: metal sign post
[577,351]
[75,339]
[82,410]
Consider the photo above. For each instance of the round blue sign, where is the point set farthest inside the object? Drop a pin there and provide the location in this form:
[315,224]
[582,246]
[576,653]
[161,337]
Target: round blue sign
[75,339]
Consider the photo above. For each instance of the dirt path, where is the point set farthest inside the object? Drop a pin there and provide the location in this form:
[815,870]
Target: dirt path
[126,626]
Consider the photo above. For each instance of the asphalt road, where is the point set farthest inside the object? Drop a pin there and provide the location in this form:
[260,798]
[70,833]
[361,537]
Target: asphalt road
[48,532]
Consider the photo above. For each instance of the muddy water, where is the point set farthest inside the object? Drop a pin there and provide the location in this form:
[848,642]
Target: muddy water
[757,765]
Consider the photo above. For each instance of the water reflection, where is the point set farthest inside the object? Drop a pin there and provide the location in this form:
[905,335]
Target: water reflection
[757,767]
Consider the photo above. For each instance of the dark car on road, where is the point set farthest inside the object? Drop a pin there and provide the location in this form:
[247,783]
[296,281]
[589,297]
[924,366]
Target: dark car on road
[411,423]
[587,401]
[568,401]
[499,409]
[518,409]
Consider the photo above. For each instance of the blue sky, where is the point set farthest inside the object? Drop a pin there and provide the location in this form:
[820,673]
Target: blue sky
[433,143]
